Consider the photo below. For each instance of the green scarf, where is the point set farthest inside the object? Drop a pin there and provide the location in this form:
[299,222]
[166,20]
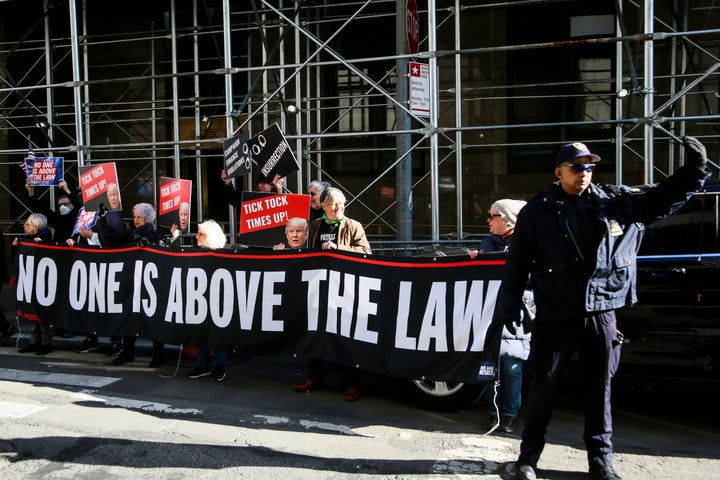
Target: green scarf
[332,222]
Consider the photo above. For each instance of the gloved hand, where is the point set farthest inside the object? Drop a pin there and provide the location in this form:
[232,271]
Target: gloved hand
[696,155]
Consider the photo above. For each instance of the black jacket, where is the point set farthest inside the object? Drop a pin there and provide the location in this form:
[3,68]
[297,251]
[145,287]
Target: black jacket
[548,247]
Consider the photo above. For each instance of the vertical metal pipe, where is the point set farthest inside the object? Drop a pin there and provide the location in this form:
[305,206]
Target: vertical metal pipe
[458,123]
[619,63]
[86,87]
[198,115]
[318,110]
[77,94]
[434,151]
[175,93]
[649,104]
[298,103]
[153,99]
[227,50]
[49,119]
[403,141]
[673,87]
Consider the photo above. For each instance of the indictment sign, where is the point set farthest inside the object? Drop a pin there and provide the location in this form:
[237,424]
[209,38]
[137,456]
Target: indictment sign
[401,317]
[420,89]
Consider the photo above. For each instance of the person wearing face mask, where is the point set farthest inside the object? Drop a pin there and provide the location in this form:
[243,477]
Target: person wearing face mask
[62,218]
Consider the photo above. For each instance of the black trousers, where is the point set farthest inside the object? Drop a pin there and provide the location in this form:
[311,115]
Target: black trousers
[129,348]
[553,344]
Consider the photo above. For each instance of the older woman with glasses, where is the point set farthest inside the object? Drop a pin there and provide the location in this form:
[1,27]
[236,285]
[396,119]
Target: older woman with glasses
[503,401]
[35,228]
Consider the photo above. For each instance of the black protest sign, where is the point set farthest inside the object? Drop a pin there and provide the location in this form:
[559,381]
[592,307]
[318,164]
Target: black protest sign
[271,152]
[237,155]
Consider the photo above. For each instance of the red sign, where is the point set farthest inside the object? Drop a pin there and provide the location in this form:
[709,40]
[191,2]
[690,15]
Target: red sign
[99,186]
[412,21]
[174,203]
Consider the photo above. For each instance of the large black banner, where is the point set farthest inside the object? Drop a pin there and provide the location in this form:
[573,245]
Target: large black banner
[396,316]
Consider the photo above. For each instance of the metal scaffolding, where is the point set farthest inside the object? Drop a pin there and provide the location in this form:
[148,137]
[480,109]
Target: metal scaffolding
[156,88]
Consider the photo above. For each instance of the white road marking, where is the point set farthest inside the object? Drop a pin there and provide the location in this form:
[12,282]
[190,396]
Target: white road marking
[18,410]
[29,376]
[139,404]
[271,420]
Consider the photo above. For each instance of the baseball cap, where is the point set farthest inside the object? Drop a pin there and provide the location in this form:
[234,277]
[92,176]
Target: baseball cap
[573,151]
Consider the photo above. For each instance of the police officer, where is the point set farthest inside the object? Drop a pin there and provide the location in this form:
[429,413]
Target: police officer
[578,241]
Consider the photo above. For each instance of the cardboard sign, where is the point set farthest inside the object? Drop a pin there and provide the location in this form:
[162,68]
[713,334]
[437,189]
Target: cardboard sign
[263,216]
[174,203]
[44,171]
[85,221]
[236,152]
[99,184]
[272,154]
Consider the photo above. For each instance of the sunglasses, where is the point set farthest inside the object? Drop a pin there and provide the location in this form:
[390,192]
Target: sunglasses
[580,167]
[492,215]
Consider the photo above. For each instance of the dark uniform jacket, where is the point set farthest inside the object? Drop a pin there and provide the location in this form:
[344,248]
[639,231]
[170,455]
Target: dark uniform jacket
[549,246]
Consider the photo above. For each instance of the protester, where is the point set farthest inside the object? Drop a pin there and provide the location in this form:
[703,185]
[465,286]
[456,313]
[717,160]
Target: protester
[144,233]
[112,231]
[61,220]
[234,195]
[35,228]
[277,185]
[210,235]
[87,237]
[315,189]
[296,230]
[334,231]
[7,330]
[503,401]
[578,241]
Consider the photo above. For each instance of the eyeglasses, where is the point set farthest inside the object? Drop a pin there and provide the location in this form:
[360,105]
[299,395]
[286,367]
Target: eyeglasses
[580,167]
[493,215]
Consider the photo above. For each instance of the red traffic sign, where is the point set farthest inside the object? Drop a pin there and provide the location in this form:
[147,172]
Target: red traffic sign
[412,23]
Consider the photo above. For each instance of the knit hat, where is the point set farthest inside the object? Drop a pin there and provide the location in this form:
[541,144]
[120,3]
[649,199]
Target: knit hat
[509,210]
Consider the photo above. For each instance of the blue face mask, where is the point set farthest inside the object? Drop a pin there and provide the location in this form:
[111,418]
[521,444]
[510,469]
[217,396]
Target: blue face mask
[64,209]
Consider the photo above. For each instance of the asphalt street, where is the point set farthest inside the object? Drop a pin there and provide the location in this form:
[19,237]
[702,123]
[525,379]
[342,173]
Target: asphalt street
[67,415]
